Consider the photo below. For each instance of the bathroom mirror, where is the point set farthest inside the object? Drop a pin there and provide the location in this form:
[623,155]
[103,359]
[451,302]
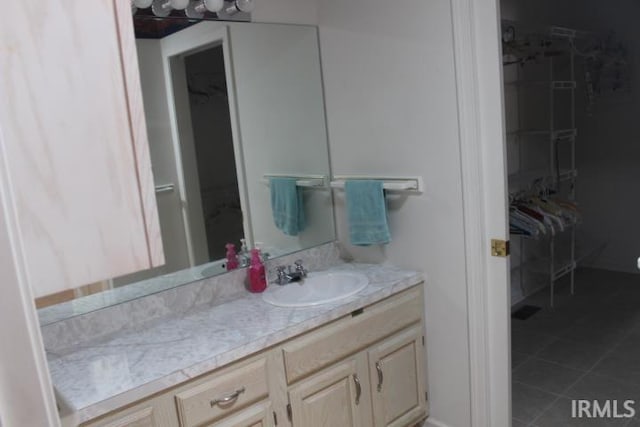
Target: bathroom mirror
[228,105]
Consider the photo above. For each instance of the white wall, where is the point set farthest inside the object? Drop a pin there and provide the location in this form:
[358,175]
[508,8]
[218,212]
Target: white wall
[391,110]
[286,11]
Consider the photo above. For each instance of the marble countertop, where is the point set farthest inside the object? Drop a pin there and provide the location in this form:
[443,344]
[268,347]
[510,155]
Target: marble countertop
[101,376]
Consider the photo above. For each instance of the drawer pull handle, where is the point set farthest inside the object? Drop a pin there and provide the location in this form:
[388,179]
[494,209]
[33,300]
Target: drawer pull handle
[358,388]
[380,376]
[227,399]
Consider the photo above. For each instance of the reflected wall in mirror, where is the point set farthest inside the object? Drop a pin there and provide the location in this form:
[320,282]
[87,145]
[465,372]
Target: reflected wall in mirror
[227,106]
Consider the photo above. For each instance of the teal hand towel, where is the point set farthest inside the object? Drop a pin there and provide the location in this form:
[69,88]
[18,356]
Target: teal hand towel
[366,212]
[287,206]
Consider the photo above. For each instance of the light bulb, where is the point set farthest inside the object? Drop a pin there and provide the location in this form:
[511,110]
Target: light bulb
[236,6]
[196,9]
[163,8]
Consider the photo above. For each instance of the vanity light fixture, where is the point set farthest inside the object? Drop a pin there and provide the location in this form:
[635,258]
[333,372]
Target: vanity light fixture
[197,9]
[140,4]
[163,8]
[236,6]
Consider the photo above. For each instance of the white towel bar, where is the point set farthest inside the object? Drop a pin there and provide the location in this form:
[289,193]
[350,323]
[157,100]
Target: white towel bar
[164,188]
[411,184]
[307,181]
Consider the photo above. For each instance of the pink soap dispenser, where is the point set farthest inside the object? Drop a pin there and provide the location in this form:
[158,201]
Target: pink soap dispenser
[232,257]
[257,275]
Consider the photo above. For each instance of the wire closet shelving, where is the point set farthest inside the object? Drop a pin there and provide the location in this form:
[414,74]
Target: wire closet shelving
[547,48]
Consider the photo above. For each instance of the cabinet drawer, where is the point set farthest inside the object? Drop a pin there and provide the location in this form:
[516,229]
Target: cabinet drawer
[333,342]
[140,418]
[223,394]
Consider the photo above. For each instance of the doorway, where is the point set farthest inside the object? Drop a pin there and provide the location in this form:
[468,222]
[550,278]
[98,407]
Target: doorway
[217,179]
[477,35]
[571,132]
[206,144]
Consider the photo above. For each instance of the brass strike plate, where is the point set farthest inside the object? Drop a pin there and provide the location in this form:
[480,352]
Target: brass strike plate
[499,248]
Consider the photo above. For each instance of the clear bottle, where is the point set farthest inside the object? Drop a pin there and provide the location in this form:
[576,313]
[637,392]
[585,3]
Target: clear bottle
[264,256]
[243,256]
[257,273]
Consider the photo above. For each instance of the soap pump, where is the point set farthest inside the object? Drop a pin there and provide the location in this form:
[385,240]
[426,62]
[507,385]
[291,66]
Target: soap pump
[257,275]
[243,256]
[232,257]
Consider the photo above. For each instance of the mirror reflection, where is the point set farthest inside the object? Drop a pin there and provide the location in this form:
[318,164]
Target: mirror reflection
[229,106]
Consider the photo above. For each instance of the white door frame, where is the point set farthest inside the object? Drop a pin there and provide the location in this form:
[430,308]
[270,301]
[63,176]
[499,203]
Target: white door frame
[199,37]
[26,390]
[476,30]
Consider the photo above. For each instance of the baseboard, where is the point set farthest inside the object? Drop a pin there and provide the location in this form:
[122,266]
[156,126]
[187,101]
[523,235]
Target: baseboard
[430,422]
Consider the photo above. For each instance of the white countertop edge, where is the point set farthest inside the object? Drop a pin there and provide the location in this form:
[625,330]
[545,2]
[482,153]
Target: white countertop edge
[139,393]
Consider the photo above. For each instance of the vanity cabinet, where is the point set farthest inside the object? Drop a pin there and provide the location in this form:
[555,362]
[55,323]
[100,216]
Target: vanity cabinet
[380,387]
[381,381]
[337,396]
[364,369]
[73,144]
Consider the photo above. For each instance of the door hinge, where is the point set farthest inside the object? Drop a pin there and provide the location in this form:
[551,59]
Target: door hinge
[423,340]
[426,396]
[499,248]
[289,412]
[275,419]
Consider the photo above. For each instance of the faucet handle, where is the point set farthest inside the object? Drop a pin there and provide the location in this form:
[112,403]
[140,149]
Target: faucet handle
[300,268]
[281,275]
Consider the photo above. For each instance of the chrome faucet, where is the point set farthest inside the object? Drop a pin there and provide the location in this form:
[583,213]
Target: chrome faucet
[289,274]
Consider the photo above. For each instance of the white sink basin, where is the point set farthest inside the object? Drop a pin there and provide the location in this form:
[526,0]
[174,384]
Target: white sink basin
[318,288]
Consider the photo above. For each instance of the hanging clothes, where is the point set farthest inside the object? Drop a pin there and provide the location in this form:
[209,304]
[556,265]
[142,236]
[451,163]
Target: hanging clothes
[537,216]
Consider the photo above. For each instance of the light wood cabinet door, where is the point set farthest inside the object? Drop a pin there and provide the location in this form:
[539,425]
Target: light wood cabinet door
[396,367]
[74,137]
[337,396]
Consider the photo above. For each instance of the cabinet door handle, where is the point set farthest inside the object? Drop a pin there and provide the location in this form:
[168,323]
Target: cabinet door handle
[358,388]
[380,375]
[222,401]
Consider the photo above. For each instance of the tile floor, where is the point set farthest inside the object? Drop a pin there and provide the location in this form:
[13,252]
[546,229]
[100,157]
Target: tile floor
[587,347]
